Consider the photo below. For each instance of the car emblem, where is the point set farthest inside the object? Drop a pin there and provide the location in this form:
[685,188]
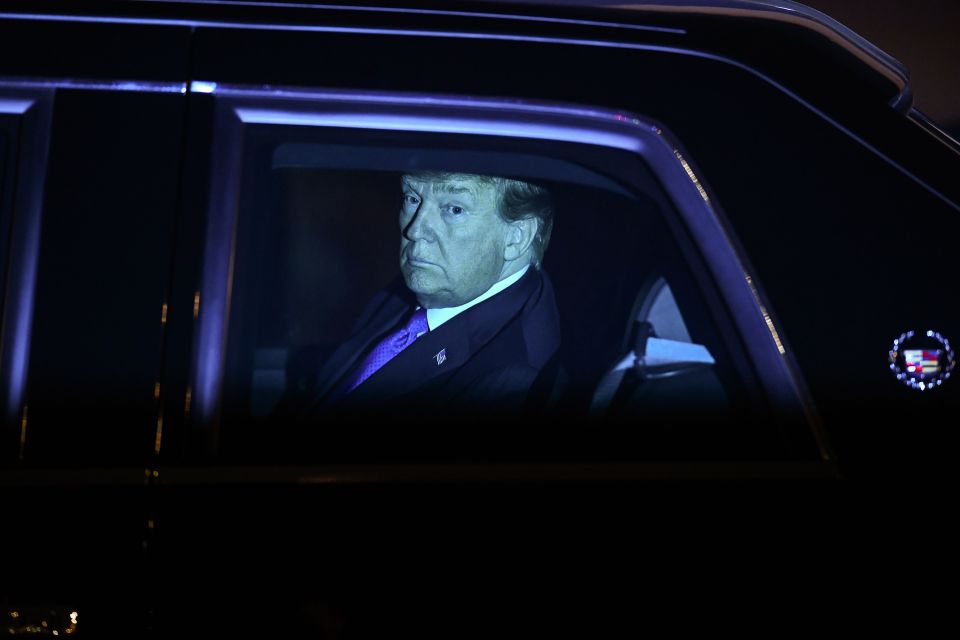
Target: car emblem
[922,360]
[441,357]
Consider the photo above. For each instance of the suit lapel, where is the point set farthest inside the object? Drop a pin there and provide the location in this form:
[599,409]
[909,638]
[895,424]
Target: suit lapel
[432,355]
[450,346]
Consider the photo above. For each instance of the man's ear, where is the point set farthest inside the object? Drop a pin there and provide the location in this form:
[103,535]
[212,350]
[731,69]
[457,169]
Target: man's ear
[520,235]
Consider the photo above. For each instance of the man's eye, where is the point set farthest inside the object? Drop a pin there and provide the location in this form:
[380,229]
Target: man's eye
[411,200]
[455,210]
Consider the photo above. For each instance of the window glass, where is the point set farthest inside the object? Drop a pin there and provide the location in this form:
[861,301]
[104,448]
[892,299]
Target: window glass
[6,192]
[611,346]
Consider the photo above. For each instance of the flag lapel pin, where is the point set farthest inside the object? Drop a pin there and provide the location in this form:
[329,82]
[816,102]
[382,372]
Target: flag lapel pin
[441,357]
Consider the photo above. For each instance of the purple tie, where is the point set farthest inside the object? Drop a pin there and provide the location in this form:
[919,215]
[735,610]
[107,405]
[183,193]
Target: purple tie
[390,346]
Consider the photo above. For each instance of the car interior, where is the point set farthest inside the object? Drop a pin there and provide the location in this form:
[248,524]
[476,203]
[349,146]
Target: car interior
[318,237]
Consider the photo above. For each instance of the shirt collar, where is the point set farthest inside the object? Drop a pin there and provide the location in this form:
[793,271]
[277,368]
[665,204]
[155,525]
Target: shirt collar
[436,317]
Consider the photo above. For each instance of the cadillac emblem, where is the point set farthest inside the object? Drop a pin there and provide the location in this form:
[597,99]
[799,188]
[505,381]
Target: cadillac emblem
[922,360]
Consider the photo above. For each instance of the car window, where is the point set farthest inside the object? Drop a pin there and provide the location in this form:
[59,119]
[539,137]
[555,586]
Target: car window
[635,358]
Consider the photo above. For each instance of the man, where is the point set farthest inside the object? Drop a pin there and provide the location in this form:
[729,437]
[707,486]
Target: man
[475,320]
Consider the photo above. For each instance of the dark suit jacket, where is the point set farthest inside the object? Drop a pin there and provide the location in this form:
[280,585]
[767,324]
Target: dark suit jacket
[492,353]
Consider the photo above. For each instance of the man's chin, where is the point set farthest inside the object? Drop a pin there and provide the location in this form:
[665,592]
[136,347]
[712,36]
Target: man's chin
[427,293]
[419,283]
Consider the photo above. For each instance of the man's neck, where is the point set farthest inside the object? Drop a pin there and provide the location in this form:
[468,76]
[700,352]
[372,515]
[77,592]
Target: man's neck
[436,317]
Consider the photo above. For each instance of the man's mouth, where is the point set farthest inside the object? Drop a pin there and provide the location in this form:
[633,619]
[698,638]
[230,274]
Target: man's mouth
[420,262]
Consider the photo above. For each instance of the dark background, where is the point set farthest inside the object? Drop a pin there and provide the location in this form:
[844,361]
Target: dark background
[922,34]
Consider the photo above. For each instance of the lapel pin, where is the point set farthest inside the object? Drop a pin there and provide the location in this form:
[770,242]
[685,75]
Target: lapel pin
[441,357]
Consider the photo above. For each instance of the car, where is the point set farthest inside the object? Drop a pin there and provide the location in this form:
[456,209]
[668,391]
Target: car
[751,257]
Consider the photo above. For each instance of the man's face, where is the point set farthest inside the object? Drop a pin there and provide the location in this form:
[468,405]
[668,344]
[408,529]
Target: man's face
[452,239]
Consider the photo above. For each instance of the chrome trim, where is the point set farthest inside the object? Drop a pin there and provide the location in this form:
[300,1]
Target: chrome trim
[397,10]
[444,124]
[415,11]
[238,107]
[94,85]
[276,26]
[199,86]
[944,137]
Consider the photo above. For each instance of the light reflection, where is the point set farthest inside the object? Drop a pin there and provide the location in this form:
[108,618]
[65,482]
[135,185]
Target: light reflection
[23,432]
[766,318]
[692,176]
[16,107]
[163,314]
[196,304]
[139,86]
[443,124]
[200,86]
[159,435]
[773,331]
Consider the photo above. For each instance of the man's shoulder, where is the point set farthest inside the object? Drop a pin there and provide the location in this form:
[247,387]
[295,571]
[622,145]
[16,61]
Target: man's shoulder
[541,325]
[522,322]
[531,294]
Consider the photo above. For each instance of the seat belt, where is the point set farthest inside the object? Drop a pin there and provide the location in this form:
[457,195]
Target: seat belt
[613,380]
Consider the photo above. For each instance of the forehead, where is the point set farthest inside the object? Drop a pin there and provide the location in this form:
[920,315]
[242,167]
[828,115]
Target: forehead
[456,184]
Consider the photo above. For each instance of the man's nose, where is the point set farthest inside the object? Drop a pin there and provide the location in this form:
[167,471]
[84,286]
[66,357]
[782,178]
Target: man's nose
[420,226]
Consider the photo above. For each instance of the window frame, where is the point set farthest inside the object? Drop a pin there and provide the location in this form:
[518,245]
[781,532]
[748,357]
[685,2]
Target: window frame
[32,107]
[237,109]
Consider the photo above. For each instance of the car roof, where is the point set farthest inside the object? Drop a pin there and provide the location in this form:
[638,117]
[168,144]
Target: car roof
[710,16]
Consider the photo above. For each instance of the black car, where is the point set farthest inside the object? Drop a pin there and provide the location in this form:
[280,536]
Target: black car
[752,259]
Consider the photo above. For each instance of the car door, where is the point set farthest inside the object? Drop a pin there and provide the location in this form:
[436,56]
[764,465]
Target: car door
[92,145]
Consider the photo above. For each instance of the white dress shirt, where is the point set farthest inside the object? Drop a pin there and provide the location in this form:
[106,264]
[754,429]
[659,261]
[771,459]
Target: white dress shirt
[436,317]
